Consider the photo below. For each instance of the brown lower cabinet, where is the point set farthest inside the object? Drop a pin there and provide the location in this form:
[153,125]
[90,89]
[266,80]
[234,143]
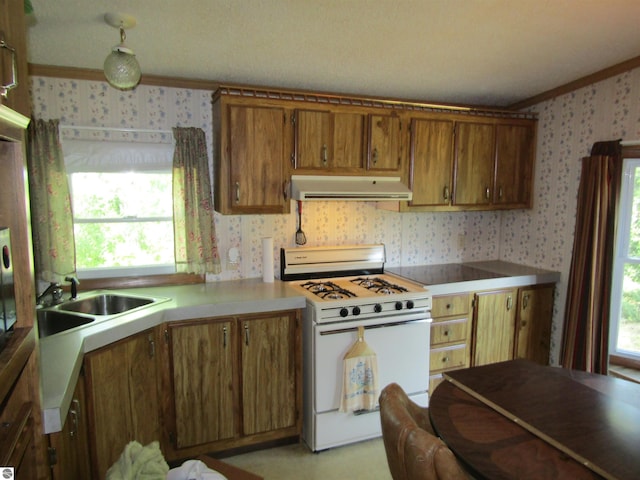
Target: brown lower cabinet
[69,448]
[196,386]
[497,325]
[122,397]
[232,382]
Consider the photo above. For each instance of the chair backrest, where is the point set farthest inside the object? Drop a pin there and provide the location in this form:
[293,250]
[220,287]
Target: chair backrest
[413,451]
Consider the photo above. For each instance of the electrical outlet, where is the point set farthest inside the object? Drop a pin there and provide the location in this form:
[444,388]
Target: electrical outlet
[233,259]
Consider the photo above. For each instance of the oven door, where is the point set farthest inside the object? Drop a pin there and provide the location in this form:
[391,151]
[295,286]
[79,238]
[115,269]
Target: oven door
[401,344]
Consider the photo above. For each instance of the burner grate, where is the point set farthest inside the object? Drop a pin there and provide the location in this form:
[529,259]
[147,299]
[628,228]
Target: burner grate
[328,290]
[379,285]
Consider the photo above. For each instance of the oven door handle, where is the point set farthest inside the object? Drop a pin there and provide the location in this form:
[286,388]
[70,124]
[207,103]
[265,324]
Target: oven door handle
[371,327]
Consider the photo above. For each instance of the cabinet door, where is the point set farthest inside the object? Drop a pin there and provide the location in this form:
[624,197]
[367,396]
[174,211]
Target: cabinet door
[72,443]
[474,160]
[122,398]
[330,141]
[514,165]
[535,313]
[202,370]
[494,326]
[256,159]
[385,144]
[269,386]
[431,162]
[312,137]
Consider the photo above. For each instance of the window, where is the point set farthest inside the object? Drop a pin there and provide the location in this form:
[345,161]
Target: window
[625,301]
[121,196]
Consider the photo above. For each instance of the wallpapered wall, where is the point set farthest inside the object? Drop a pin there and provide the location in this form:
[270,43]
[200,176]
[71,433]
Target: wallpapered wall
[540,237]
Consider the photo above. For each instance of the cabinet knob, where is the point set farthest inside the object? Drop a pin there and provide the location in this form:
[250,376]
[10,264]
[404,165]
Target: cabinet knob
[445,359]
[446,333]
[448,306]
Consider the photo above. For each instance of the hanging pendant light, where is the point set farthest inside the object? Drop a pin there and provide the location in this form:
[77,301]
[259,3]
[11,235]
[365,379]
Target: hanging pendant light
[121,68]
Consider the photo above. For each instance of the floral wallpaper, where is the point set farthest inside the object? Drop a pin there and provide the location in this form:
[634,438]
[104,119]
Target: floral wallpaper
[540,237]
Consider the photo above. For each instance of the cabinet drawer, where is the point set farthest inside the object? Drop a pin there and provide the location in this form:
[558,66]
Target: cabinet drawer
[450,331]
[447,305]
[449,357]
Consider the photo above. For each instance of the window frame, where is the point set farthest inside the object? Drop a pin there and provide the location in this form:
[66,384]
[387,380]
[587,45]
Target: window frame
[630,166]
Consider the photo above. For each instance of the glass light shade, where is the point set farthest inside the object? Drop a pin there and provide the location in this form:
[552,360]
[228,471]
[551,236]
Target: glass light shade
[121,68]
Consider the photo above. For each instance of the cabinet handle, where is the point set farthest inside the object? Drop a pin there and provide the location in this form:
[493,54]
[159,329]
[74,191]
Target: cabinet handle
[487,193]
[374,156]
[4,89]
[74,423]
[237,192]
[76,405]
[285,189]
[500,192]
[293,160]
[509,302]
[525,301]
[246,334]
[152,347]
[224,337]
[325,157]
[445,192]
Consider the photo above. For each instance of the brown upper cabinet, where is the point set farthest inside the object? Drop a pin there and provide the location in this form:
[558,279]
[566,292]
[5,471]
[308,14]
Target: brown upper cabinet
[470,164]
[452,159]
[431,151]
[249,157]
[494,164]
[385,146]
[328,141]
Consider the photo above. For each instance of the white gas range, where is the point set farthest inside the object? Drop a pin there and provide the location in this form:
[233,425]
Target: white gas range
[346,287]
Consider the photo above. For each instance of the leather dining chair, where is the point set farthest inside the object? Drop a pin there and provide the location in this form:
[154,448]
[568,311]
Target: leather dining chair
[413,451]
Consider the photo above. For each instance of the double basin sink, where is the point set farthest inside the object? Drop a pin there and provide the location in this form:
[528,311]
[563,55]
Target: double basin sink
[91,308]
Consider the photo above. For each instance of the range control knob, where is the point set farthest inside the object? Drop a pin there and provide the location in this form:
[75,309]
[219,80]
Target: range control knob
[409,304]
[356,310]
[344,312]
[377,308]
[398,305]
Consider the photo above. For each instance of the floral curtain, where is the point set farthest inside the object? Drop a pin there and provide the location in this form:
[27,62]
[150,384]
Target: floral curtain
[196,249]
[51,218]
[585,343]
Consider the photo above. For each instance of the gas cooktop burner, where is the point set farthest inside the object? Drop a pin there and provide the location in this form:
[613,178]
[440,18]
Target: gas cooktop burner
[379,285]
[327,290]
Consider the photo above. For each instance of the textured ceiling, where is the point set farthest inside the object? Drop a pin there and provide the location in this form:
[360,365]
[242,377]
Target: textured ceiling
[483,52]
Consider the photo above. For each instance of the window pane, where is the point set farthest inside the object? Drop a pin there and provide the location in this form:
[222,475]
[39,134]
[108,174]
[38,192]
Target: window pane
[634,233]
[100,245]
[121,195]
[629,326]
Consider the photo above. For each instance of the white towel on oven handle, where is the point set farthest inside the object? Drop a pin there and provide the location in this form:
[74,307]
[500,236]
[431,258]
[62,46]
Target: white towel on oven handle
[360,377]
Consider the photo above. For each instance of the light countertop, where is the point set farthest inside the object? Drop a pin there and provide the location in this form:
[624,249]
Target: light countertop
[61,355]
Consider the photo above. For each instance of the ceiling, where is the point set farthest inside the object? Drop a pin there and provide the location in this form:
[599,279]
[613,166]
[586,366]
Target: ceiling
[480,52]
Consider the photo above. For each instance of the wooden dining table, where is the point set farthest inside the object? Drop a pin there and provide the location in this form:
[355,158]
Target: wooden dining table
[521,420]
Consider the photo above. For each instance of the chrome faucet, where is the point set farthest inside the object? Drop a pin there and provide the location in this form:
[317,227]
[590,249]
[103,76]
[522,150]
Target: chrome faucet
[56,295]
[74,286]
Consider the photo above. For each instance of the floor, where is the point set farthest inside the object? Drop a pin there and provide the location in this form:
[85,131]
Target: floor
[360,461]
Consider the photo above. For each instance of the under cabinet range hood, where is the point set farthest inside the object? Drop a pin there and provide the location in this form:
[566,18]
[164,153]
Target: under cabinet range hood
[318,187]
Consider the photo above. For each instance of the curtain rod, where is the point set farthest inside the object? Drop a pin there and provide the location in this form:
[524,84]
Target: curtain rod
[116,129]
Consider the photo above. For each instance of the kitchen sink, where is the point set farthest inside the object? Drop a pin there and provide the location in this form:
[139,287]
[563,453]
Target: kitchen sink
[106,304]
[51,322]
